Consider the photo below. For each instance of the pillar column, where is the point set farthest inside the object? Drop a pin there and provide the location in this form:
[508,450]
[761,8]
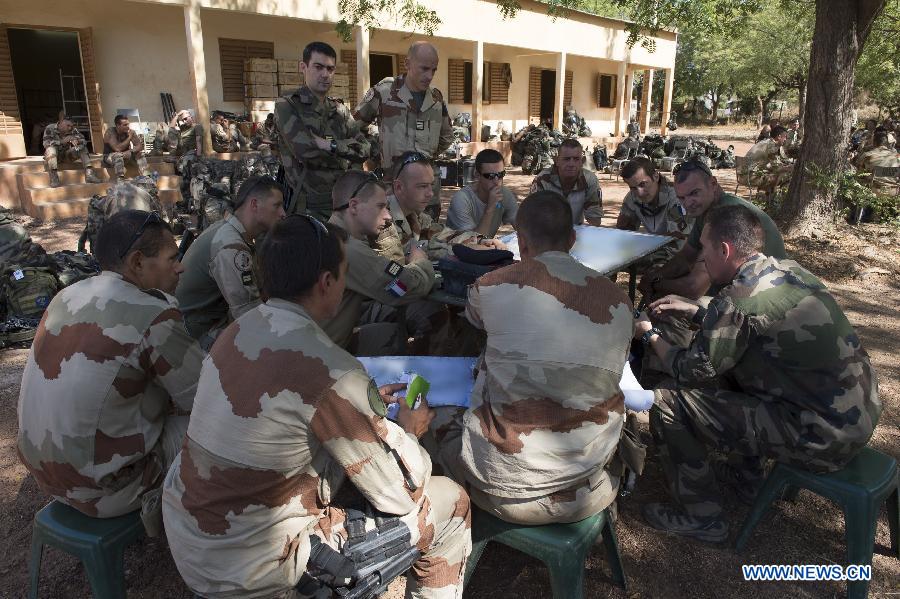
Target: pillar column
[647,88]
[197,63]
[477,89]
[621,98]
[629,94]
[667,100]
[558,108]
[362,62]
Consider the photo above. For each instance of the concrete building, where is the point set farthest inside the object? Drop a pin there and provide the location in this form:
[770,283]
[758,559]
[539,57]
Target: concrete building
[100,56]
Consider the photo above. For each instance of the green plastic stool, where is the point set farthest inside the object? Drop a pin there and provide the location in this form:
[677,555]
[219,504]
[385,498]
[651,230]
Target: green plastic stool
[859,488]
[98,542]
[561,547]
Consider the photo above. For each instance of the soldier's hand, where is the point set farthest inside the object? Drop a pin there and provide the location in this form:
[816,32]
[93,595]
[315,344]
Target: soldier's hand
[494,244]
[673,305]
[642,324]
[321,143]
[416,253]
[415,421]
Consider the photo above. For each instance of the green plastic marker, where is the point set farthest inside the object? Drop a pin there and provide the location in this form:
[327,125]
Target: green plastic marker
[417,386]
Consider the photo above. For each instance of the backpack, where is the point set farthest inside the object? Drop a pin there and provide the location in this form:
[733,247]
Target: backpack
[26,291]
[140,193]
[72,267]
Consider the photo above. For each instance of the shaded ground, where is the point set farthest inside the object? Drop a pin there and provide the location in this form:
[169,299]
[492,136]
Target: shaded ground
[860,265]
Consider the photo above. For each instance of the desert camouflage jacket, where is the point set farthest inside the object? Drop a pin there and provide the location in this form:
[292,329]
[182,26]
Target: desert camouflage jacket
[585,198]
[546,409]
[777,334]
[282,418]
[108,363]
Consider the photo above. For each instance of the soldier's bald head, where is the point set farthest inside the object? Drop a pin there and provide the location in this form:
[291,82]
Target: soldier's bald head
[422,51]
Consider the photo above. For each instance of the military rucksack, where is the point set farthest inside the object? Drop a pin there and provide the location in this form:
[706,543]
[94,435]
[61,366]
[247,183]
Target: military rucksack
[140,193]
[72,267]
[26,291]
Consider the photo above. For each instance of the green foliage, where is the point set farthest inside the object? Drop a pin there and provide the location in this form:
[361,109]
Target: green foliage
[878,70]
[849,188]
[372,13]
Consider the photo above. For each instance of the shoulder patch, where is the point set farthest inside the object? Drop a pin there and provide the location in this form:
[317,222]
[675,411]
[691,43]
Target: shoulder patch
[369,95]
[436,95]
[375,401]
[243,261]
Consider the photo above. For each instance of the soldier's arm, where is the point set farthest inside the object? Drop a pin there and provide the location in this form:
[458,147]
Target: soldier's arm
[535,185]
[723,338]
[446,139]
[173,357]
[355,147]
[593,204]
[295,134]
[373,276]
[232,270]
[627,220]
[386,464]
[173,137]
[110,138]
[473,307]
[49,138]
[367,109]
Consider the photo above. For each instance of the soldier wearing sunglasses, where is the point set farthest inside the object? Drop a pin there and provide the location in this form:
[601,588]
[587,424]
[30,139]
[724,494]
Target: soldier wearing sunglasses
[485,204]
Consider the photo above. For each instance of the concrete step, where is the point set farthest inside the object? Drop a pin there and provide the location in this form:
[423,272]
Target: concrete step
[49,203]
[41,179]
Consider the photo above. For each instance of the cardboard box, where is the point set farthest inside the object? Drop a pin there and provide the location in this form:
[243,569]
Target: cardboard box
[261,65]
[260,78]
[260,91]
[286,89]
[341,81]
[342,68]
[288,66]
[265,105]
[288,79]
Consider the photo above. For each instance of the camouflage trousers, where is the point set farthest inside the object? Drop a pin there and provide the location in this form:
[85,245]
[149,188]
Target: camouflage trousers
[54,154]
[688,423]
[307,201]
[442,527]
[117,161]
[590,496]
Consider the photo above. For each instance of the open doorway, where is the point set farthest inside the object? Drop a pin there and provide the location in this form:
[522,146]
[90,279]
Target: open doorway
[381,66]
[548,94]
[49,79]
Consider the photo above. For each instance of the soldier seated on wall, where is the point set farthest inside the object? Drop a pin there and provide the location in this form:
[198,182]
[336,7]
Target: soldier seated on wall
[774,370]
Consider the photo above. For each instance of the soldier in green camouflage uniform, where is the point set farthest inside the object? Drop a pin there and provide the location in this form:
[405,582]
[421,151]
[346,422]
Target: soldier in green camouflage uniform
[219,283]
[283,418]
[411,115]
[111,375]
[775,371]
[184,135]
[546,410]
[318,138]
[578,185]
[266,135]
[63,141]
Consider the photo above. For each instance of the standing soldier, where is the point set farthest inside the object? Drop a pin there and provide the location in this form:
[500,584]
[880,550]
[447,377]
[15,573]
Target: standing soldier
[121,143]
[63,141]
[411,115]
[319,140]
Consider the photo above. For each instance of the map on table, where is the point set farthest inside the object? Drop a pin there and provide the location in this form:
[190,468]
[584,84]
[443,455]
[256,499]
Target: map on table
[452,379]
[604,249]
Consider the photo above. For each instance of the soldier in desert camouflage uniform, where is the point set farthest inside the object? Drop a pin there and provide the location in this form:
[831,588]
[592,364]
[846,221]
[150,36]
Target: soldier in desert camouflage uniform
[283,419]
[218,283]
[546,410]
[63,141]
[775,371]
[111,375]
[318,138]
[360,209]
[578,185]
[411,115]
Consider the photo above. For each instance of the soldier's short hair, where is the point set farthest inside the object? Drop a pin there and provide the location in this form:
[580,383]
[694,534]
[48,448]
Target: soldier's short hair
[487,156]
[545,220]
[257,185]
[737,225]
[318,48]
[119,118]
[880,138]
[639,163]
[407,158]
[777,130]
[295,252]
[127,231]
[571,142]
[355,183]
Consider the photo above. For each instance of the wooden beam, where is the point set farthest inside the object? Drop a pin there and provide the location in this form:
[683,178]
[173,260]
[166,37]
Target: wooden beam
[477,89]
[197,67]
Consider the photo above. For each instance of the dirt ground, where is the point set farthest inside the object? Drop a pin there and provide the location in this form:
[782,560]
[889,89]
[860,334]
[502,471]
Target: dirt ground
[860,265]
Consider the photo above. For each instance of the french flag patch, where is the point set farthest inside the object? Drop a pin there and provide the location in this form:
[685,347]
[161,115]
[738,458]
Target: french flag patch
[396,287]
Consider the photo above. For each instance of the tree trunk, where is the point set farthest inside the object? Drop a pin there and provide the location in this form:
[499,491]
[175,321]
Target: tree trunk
[716,97]
[840,33]
[761,118]
[801,101]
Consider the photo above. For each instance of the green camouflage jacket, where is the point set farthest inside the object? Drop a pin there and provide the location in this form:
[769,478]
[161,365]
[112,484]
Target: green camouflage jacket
[585,198]
[404,228]
[52,137]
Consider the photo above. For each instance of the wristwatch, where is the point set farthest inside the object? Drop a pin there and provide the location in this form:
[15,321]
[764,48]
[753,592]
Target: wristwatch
[333,147]
[645,338]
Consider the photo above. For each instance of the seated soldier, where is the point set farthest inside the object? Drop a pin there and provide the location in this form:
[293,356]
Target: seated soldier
[226,137]
[184,135]
[651,202]
[282,419]
[775,371]
[768,163]
[883,155]
[412,190]
[546,410]
[121,143]
[111,376]
[266,135]
[578,185]
[218,284]
[64,142]
[360,209]
[485,204]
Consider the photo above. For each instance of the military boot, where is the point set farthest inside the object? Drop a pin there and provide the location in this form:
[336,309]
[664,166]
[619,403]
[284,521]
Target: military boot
[90,177]
[142,166]
[54,178]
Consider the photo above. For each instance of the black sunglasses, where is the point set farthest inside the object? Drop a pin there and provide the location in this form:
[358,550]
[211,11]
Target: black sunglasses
[494,176]
[691,165]
[412,157]
[320,230]
[371,177]
[152,217]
